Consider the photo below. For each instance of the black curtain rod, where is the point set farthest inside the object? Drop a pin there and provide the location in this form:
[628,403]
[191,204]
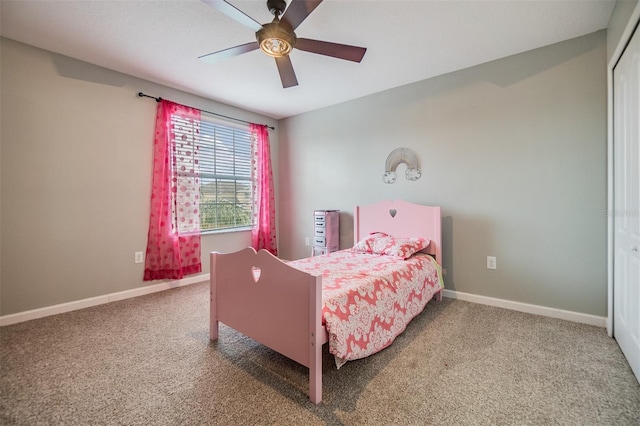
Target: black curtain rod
[158,99]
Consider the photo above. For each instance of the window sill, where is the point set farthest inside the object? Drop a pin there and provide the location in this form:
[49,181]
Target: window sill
[225,231]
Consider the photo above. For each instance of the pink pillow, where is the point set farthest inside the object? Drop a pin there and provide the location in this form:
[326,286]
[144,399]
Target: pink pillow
[365,245]
[381,243]
[403,248]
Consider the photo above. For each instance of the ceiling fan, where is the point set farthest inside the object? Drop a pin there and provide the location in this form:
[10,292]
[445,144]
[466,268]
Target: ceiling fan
[278,38]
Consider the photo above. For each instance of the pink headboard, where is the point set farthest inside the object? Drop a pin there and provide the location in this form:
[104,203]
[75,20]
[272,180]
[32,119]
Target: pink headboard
[401,219]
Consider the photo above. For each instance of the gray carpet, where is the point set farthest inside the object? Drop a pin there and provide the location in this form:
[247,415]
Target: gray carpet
[148,361]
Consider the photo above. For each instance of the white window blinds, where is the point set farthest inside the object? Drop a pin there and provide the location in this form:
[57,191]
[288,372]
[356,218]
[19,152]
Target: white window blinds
[224,159]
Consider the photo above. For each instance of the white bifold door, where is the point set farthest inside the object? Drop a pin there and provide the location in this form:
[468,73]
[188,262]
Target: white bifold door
[626,195]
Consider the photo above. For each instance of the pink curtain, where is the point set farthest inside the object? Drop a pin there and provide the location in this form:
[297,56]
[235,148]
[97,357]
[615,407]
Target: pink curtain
[264,232]
[173,242]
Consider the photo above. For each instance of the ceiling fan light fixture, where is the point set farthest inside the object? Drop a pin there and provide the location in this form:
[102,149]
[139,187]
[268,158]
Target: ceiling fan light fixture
[278,38]
[274,40]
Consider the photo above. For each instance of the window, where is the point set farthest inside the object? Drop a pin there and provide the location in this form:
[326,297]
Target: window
[223,158]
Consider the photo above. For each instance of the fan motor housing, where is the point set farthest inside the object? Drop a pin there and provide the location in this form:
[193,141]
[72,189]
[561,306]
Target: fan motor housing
[276,7]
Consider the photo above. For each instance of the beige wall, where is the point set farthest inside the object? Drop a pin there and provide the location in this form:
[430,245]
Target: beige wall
[513,150]
[76,159]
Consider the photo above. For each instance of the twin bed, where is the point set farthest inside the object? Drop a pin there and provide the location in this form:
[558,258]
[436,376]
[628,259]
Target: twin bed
[357,300]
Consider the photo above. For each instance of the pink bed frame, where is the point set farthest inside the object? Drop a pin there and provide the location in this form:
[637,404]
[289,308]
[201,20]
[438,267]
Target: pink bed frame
[279,306]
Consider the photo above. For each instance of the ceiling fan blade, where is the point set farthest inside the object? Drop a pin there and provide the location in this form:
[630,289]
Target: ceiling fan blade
[298,10]
[234,13]
[287,75]
[341,51]
[229,53]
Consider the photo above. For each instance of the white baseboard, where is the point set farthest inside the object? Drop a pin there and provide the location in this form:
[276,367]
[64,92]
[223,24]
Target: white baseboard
[99,300]
[451,294]
[530,309]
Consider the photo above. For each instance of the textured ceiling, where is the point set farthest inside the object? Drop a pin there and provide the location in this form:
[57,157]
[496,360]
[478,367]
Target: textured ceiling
[406,41]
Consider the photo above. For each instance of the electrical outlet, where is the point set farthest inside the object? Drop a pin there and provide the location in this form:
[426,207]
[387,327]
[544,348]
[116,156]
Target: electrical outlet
[491,262]
[444,271]
[306,241]
[138,257]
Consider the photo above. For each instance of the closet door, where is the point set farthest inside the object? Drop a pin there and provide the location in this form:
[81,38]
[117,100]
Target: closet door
[626,193]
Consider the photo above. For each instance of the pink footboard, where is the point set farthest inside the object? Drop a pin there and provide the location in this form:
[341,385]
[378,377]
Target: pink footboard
[265,299]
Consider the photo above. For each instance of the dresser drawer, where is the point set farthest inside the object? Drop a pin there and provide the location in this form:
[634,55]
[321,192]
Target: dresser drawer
[319,241]
[321,232]
[320,223]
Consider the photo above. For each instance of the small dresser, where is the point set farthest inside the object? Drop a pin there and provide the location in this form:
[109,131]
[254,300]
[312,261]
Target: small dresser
[326,231]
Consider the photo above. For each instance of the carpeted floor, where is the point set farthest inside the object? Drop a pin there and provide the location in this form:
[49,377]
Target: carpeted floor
[149,361]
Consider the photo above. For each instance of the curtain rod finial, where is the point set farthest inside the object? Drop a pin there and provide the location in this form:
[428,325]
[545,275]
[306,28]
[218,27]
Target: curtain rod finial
[144,95]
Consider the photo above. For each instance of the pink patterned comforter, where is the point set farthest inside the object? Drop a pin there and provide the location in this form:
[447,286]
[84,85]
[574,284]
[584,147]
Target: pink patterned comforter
[368,299]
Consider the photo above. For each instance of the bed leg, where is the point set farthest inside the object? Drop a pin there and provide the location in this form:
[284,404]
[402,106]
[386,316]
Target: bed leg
[315,375]
[439,296]
[315,335]
[213,331]
[213,322]
[213,314]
